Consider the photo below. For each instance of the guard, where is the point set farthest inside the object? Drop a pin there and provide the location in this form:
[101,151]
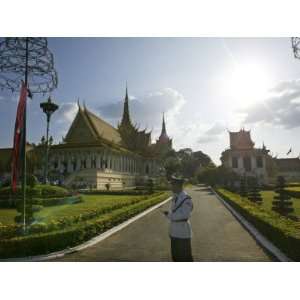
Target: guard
[180,228]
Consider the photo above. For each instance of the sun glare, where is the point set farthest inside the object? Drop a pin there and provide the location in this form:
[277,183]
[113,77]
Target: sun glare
[247,84]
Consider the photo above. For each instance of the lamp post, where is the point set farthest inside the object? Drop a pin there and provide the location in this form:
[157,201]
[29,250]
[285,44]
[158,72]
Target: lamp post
[48,108]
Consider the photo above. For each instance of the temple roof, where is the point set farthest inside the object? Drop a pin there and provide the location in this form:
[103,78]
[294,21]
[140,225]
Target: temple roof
[126,116]
[241,140]
[87,127]
[163,138]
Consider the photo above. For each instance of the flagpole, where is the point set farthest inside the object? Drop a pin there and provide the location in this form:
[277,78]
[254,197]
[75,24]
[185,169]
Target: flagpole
[24,140]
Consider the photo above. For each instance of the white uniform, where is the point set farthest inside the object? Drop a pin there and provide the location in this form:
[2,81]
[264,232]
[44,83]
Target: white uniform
[179,213]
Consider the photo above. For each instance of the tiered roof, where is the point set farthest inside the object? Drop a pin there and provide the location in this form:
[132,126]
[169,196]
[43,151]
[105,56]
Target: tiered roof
[241,140]
[87,127]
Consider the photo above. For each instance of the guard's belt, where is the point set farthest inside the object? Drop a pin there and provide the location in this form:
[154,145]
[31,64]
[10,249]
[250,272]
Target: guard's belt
[179,221]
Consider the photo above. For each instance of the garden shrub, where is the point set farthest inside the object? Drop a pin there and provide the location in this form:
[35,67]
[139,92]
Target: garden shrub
[283,232]
[45,191]
[43,201]
[282,202]
[117,192]
[57,201]
[46,242]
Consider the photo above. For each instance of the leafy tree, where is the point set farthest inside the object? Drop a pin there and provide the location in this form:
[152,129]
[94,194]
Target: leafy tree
[186,162]
[221,175]
[208,176]
[172,165]
[203,159]
[282,201]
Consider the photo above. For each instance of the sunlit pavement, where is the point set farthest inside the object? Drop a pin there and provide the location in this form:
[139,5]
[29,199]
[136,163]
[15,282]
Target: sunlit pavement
[217,236]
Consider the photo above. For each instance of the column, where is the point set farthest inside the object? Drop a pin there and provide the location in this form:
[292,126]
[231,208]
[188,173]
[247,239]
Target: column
[78,164]
[98,160]
[88,159]
[253,163]
[70,167]
[240,162]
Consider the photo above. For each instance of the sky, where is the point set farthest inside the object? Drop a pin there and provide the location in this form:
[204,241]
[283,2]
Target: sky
[205,87]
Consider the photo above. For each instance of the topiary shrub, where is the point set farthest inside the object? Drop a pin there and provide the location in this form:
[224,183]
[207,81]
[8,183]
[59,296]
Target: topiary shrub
[254,193]
[282,201]
[243,187]
[48,191]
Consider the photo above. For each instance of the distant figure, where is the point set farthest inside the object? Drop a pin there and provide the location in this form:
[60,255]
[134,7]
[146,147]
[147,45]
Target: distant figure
[180,229]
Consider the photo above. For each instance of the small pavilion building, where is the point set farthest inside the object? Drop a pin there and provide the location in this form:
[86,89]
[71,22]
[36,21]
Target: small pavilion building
[246,160]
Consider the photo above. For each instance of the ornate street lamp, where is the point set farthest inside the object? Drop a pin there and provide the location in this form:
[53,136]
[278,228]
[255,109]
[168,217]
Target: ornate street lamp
[48,108]
[26,59]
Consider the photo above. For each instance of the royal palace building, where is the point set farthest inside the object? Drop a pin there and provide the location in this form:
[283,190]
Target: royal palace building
[95,154]
[246,160]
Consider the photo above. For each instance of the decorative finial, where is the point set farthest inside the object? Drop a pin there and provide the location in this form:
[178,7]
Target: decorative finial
[126,95]
[78,104]
[163,128]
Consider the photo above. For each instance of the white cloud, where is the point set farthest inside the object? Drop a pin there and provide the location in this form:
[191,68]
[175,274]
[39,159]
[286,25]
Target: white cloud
[146,110]
[212,134]
[281,108]
[206,139]
[67,112]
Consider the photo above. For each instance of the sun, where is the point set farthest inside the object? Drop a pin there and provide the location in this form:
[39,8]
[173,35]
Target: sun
[247,84]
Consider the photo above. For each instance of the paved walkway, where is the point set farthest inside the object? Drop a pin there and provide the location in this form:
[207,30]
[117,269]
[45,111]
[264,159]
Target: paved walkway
[218,236]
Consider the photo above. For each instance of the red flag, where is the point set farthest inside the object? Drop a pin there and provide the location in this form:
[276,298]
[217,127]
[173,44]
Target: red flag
[18,136]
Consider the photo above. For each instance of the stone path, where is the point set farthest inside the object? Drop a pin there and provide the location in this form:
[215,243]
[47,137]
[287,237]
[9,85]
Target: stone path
[217,236]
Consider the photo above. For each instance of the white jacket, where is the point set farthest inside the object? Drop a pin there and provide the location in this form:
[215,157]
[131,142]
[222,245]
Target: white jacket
[179,213]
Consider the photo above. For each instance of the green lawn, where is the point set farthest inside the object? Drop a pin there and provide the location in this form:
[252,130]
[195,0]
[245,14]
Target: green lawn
[268,198]
[293,188]
[90,202]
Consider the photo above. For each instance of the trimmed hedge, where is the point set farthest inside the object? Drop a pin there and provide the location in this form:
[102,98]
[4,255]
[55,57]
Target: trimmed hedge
[283,232]
[43,243]
[43,201]
[116,192]
[13,230]
[8,203]
[43,191]
[57,201]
